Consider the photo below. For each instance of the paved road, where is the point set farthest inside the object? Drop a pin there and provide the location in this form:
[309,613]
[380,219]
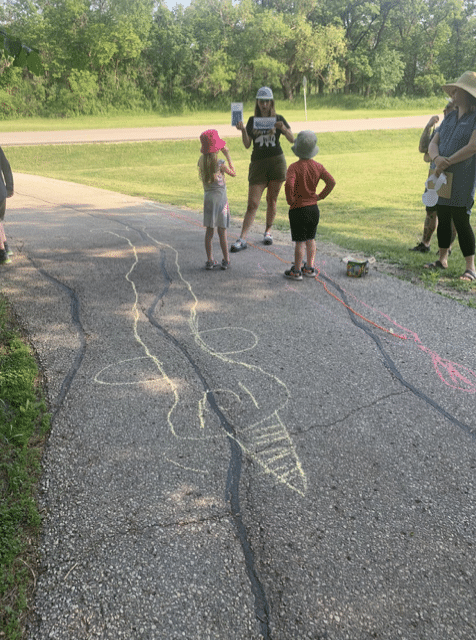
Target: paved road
[234,456]
[194,131]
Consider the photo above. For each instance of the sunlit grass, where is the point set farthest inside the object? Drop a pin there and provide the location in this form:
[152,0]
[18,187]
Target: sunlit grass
[23,426]
[318,108]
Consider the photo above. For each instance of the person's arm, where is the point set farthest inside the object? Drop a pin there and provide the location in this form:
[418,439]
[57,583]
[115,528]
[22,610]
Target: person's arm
[7,173]
[426,135]
[227,168]
[286,131]
[330,184]
[289,186]
[433,147]
[442,163]
[244,135]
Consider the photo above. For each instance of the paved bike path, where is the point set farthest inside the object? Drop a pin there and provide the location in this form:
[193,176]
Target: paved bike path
[234,455]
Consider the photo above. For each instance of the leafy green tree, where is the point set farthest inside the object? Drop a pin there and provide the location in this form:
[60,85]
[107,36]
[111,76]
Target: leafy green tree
[423,30]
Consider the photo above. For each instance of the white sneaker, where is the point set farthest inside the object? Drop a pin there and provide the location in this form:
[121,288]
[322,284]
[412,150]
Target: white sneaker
[238,245]
[268,238]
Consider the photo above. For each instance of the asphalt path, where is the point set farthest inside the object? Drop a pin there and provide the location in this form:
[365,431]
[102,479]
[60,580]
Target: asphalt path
[234,455]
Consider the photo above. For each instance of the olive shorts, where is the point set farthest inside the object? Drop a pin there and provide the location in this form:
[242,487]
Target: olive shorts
[267,169]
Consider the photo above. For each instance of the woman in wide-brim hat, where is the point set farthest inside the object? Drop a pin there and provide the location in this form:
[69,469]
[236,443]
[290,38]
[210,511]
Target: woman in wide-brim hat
[267,169]
[452,150]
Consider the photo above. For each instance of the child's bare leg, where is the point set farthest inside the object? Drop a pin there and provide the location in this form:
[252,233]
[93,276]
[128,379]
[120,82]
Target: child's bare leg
[311,253]
[222,234]
[3,238]
[298,255]
[208,243]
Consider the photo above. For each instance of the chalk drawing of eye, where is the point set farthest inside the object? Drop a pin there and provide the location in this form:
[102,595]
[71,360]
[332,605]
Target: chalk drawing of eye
[227,340]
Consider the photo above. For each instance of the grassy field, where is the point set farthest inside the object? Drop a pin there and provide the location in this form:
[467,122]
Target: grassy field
[23,428]
[375,208]
[318,108]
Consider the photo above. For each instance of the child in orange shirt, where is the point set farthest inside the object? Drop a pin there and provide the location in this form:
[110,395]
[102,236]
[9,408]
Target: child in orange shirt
[300,189]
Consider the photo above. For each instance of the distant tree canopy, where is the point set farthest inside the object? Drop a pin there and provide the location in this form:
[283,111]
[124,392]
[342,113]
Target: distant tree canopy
[98,55]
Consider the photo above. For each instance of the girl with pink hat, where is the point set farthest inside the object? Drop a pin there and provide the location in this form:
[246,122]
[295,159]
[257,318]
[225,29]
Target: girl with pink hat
[216,211]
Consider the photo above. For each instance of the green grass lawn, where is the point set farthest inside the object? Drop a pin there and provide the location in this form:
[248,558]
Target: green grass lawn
[23,428]
[317,109]
[375,208]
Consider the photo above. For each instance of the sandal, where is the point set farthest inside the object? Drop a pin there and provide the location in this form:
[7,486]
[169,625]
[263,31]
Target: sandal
[435,265]
[468,276]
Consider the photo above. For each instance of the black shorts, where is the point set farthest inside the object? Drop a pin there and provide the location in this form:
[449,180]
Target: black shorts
[267,169]
[304,221]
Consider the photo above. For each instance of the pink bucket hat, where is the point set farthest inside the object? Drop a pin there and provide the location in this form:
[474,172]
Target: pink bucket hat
[211,141]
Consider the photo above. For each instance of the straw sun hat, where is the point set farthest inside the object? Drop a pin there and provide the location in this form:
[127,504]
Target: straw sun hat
[466,82]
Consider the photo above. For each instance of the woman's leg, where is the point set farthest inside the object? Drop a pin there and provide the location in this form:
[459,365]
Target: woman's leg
[443,232]
[255,191]
[429,226]
[208,243]
[274,187]
[2,237]
[466,239]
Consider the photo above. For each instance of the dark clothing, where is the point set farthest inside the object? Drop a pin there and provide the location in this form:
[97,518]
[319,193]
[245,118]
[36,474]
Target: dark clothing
[303,222]
[462,222]
[454,135]
[6,177]
[265,143]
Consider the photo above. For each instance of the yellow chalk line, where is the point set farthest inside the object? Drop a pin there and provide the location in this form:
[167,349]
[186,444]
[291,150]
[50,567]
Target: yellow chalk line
[193,322]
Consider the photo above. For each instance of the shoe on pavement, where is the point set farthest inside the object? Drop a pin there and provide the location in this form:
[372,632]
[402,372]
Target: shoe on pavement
[8,251]
[211,264]
[309,272]
[4,257]
[422,248]
[268,238]
[238,245]
[293,273]
[225,264]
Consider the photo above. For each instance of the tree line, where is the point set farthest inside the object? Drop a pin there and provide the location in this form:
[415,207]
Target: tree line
[103,55]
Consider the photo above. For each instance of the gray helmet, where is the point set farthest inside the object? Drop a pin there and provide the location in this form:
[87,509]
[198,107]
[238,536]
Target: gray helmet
[305,145]
[264,93]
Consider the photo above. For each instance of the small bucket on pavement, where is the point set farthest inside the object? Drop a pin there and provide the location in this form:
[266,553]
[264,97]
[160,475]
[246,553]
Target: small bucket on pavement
[357,268]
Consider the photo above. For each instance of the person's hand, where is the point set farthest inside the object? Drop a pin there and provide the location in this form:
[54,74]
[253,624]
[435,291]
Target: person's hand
[240,126]
[280,125]
[432,121]
[441,164]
